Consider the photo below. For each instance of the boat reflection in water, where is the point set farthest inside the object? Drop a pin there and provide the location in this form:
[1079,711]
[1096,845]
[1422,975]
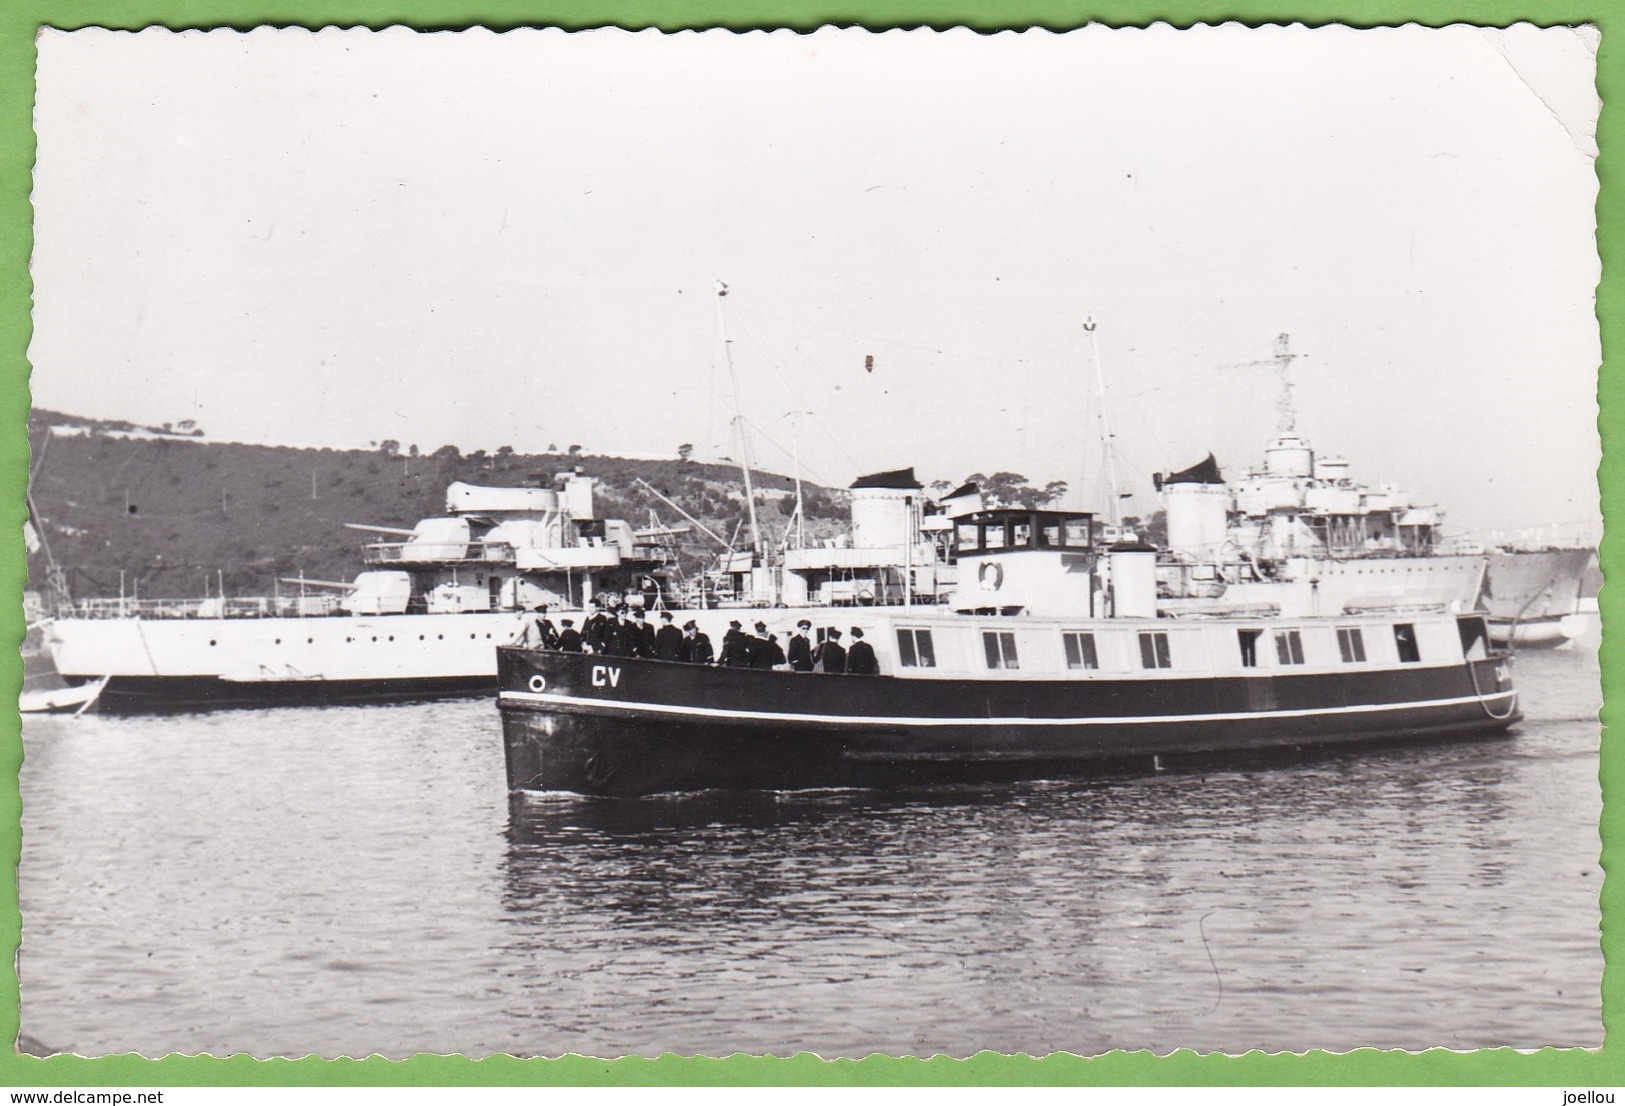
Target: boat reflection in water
[1344,898]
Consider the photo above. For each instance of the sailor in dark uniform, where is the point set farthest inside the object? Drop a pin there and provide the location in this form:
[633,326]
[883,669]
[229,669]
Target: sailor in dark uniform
[860,659]
[668,639]
[609,635]
[761,649]
[620,637]
[775,653]
[569,638]
[643,635]
[735,649]
[595,628]
[801,657]
[830,656]
[696,646]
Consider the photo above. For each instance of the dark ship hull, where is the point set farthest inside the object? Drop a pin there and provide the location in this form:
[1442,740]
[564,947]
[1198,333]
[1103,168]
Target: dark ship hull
[627,727]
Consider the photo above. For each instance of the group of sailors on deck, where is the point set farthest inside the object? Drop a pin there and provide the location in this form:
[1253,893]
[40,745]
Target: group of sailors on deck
[629,633]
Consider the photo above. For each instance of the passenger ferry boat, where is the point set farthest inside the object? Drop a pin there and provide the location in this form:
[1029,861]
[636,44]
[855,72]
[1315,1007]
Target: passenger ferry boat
[1051,660]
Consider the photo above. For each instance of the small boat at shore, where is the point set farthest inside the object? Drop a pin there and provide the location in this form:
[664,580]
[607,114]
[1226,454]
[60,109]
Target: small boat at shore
[73,699]
[1051,661]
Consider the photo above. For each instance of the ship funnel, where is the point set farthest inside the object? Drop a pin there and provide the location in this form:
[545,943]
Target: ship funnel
[577,495]
[1197,502]
[883,509]
[1133,569]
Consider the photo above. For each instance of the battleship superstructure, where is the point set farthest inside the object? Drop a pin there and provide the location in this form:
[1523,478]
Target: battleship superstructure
[1303,535]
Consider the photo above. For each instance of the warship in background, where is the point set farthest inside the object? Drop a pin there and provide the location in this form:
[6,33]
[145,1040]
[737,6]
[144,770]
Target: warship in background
[1303,535]
[423,617]
[1542,587]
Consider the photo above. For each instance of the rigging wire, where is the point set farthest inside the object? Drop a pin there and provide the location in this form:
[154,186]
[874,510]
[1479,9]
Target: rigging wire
[906,345]
[788,454]
[801,400]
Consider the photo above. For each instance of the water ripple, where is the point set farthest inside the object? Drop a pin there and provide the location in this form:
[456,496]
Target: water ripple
[354,880]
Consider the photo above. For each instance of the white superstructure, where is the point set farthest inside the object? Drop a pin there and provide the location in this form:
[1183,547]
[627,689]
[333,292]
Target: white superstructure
[1302,536]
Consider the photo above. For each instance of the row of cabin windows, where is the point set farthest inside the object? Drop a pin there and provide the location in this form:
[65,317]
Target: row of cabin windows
[915,649]
[1350,645]
[996,534]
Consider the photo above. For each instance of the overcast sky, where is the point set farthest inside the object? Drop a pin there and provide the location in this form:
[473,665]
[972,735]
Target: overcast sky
[340,237]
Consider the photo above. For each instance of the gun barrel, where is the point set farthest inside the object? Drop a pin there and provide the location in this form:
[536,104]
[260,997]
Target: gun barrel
[365,529]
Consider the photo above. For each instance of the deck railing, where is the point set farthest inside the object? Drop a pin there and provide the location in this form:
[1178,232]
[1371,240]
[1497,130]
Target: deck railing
[265,606]
[472,552]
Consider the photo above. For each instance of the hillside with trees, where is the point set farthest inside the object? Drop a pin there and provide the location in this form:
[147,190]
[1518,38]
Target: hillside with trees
[165,512]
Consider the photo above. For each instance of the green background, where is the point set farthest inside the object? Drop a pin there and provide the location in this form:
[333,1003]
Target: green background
[20,20]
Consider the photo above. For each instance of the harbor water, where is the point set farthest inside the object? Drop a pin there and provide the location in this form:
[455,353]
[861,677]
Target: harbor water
[350,881]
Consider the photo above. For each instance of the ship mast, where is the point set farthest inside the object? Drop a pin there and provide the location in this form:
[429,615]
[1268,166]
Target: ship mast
[801,514]
[1107,440]
[1287,419]
[739,423]
[56,580]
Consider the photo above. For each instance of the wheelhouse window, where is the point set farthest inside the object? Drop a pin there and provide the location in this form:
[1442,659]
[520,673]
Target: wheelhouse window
[915,650]
[1000,646]
[1248,640]
[967,537]
[1405,643]
[1289,646]
[1154,650]
[1080,649]
[1351,643]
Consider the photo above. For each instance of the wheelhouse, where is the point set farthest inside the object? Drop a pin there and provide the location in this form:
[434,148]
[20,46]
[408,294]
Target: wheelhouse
[1010,529]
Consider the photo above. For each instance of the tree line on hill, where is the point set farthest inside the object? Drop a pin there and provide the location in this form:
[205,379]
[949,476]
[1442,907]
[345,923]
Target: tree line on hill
[132,509]
[165,513]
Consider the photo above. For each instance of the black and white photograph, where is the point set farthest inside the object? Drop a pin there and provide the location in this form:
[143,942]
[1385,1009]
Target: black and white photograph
[915,542]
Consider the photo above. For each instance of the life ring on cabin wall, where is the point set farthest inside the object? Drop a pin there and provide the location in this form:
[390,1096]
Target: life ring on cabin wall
[991,575]
[538,683]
